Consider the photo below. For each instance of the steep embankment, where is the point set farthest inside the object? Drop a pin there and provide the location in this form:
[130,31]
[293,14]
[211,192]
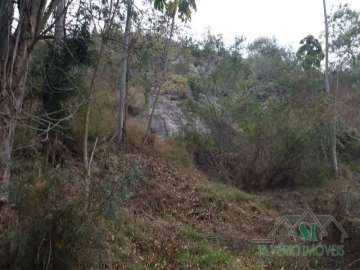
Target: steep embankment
[181,220]
[150,211]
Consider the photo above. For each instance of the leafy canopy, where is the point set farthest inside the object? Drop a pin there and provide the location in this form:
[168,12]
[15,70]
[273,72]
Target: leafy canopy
[310,54]
[184,7]
[345,35]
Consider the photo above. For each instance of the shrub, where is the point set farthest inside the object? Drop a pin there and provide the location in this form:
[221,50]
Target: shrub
[53,232]
[176,85]
[264,144]
[58,226]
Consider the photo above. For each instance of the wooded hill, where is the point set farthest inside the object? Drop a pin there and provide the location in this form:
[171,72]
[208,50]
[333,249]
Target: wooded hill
[125,144]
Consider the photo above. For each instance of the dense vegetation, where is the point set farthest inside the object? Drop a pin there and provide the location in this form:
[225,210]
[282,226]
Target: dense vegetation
[93,175]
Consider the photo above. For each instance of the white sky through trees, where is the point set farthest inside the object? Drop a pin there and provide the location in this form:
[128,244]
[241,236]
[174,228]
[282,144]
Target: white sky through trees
[287,20]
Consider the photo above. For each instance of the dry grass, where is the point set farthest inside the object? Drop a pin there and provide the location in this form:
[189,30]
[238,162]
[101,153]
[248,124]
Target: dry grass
[348,108]
[103,107]
[176,85]
[165,148]
[136,98]
[177,219]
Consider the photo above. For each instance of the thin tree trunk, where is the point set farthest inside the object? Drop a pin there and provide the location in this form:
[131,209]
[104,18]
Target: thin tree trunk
[327,83]
[12,97]
[6,123]
[332,96]
[88,109]
[60,22]
[49,95]
[86,159]
[160,79]
[6,140]
[123,85]
[6,14]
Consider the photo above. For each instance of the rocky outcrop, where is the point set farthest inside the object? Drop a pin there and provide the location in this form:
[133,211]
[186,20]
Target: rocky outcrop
[169,117]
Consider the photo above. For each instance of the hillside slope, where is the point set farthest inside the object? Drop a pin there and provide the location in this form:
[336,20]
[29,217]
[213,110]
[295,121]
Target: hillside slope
[150,212]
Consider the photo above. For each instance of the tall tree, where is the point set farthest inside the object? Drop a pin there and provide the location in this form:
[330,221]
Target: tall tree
[15,54]
[344,36]
[53,83]
[122,111]
[332,96]
[310,54]
[104,32]
[182,8]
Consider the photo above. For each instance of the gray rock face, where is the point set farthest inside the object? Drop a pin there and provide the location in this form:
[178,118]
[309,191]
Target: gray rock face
[168,117]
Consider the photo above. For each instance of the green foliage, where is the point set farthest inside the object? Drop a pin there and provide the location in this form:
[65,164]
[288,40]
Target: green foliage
[263,129]
[60,227]
[286,133]
[159,4]
[225,69]
[266,47]
[53,232]
[273,69]
[200,254]
[355,73]
[219,195]
[63,67]
[310,54]
[208,50]
[176,85]
[183,7]
[345,35]
[110,196]
[349,146]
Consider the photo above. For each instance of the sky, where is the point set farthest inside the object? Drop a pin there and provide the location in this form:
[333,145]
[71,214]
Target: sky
[287,20]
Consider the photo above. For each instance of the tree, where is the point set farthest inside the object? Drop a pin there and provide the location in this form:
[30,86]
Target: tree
[310,54]
[184,10]
[344,35]
[104,32]
[60,21]
[53,83]
[332,96]
[15,54]
[122,111]
[271,65]
[344,42]
[266,47]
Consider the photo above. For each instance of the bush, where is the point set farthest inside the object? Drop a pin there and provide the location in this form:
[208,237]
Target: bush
[53,232]
[59,226]
[272,144]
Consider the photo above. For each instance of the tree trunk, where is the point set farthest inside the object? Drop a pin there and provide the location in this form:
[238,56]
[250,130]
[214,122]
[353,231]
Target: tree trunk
[6,14]
[103,33]
[332,97]
[12,96]
[327,83]
[89,106]
[60,22]
[123,86]
[160,78]
[6,141]
[15,56]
